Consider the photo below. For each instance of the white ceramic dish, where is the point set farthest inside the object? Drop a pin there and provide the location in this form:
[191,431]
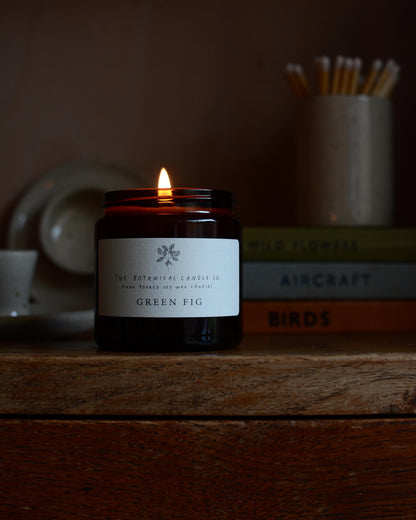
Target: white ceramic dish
[58,326]
[67,229]
[55,289]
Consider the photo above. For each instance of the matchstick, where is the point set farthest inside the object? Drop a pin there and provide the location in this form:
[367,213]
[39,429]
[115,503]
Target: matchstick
[293,80]
[346,76]
[339,64]
[389,84]
[302,80]
[371,77]
[384,76]
[356,69]
[379,82]
[323,65]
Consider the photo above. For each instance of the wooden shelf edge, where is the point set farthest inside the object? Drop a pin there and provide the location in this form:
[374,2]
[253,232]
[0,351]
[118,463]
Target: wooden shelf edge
[265,376]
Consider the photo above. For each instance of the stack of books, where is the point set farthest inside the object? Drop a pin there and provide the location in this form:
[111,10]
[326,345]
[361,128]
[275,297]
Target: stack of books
[345,279]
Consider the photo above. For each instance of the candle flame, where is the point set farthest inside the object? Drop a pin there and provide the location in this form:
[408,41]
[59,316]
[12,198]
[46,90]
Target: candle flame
[164,187]
[164,181]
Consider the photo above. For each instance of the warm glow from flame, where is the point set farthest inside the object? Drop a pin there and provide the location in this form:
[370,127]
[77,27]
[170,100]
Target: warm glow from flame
[164,181]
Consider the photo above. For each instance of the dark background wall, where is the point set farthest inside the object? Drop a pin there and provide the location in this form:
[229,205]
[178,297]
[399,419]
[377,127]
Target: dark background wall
[196,86]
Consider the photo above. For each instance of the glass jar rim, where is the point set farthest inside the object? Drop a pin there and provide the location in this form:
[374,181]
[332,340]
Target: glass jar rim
[153,197]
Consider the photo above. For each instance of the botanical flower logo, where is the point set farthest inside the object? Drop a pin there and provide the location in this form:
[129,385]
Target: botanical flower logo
[167,255]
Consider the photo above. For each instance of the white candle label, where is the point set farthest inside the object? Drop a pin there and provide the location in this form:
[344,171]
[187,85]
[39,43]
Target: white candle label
[168,277]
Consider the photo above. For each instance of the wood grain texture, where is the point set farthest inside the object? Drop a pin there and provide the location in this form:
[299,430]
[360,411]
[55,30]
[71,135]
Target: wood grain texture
[266,376]
[208,469]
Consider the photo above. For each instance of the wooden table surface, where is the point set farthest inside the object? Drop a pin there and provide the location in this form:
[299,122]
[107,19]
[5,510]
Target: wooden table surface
[281,427]
[265,376]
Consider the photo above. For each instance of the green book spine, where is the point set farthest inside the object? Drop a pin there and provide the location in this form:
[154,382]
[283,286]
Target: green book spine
[351,244]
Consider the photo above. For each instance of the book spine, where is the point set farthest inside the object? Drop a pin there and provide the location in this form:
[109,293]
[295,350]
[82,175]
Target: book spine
[329,244]
[328,280]
[274,317]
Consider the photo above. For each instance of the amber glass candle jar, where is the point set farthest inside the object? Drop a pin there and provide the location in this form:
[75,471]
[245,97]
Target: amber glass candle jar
[168,271]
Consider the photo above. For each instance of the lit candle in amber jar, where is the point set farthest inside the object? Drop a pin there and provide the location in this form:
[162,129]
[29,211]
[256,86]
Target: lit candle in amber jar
[168,270]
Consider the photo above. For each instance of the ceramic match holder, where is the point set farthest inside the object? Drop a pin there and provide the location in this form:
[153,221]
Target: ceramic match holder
[344,161]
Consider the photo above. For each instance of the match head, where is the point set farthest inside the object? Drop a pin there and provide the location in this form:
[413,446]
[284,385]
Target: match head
[357,63]
[349,63]
[340,60]
[377,64]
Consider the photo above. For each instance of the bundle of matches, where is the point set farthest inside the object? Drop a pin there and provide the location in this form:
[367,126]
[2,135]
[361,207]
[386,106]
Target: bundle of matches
[346,78]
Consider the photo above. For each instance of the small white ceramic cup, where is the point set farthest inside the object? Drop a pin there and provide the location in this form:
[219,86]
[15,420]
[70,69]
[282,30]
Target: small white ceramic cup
[17,268]
[344,162]
[67,229]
